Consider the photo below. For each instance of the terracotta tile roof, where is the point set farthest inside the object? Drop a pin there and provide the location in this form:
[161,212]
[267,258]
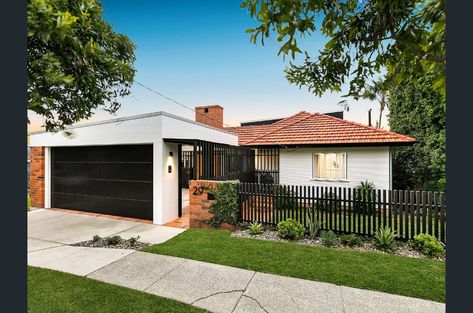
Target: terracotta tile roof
[306,128]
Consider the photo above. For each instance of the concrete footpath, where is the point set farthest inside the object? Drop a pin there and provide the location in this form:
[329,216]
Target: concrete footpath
[219,288]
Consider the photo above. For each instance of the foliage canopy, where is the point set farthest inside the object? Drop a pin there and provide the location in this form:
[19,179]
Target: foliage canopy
[418,111]
[364,37]
[76,63]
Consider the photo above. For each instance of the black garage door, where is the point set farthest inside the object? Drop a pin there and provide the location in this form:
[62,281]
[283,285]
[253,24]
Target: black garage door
[115,180]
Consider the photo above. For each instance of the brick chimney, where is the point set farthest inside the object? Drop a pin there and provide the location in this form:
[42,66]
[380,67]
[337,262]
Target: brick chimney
[211,115]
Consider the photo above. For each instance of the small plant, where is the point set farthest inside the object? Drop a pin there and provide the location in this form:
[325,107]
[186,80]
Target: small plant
[133,240]
[290,229]
[314,224]
[328,238]
[351,240]
[96,238]
[256,228]
[428,245]
[113,240]
[385,238]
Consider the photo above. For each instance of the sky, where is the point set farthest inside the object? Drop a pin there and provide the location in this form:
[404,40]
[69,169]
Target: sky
[198,53]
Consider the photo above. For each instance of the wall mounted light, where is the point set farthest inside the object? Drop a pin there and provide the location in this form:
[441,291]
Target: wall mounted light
[171,154]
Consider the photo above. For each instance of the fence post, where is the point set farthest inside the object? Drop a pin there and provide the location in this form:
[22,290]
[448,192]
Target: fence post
[442,216]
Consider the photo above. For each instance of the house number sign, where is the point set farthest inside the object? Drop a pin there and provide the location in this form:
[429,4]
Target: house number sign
[197,190]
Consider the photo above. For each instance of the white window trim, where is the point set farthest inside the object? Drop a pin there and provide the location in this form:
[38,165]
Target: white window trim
[328,179]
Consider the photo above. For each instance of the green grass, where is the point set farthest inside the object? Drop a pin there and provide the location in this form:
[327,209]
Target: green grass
[420,278]
[52,291]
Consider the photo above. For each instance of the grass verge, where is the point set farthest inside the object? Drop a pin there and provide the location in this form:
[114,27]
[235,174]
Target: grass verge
[52,291]
[411,277]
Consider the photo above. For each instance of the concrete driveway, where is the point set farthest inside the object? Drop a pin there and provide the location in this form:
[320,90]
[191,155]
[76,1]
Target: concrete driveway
[50,234]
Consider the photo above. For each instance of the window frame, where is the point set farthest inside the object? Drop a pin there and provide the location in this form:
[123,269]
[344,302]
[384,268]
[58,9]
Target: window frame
[315,168]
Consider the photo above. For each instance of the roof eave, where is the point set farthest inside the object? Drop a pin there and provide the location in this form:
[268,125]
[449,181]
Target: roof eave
[350,144]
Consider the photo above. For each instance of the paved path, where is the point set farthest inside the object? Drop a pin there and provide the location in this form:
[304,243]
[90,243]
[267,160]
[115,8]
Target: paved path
[50,234]
[214,287]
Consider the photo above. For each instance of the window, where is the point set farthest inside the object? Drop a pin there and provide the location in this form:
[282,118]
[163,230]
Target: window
[330,166]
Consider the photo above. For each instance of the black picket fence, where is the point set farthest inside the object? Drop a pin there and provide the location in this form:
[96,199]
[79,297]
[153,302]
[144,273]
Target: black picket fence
[346,210]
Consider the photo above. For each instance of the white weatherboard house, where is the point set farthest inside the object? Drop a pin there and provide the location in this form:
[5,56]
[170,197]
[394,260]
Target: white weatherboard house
[316,149]
[133,166]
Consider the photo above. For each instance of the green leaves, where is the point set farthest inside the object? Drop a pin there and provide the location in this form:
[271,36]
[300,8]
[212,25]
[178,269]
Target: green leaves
[406,38]
[418,111]
[225,208]
[76,63]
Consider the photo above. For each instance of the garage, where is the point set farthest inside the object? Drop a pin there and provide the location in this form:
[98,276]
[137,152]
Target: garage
[127,166]
[115,180]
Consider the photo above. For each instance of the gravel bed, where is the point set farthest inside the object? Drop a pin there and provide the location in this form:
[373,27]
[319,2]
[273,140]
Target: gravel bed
[122,244]
[402,248]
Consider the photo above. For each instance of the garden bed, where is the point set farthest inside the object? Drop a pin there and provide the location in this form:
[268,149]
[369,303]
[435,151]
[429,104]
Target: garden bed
[114,242]
[401,248]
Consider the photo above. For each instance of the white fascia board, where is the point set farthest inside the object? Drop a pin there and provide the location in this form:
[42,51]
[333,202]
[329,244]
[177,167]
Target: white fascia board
[124,131]
[145,128]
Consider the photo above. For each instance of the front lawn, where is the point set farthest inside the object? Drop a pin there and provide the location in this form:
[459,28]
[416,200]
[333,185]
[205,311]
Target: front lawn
[406,276]
[52,291]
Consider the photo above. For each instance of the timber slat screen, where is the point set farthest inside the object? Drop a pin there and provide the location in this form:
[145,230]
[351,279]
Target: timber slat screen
[223,162]
[267,165]
[346,210]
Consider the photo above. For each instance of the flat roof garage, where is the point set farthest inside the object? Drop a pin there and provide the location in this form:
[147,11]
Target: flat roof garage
[125,166]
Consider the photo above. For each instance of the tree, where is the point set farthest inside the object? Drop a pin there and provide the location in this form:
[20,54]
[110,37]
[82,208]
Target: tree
[378,91]
[404,37]
[76,63]
[418,111]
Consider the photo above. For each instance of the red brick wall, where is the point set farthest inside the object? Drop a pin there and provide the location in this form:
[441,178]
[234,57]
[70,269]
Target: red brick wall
[37,177]
[199,205]
[214,116]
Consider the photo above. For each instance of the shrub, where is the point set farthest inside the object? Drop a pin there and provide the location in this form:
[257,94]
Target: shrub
[314,224]
[96,238]
[28,202]
[385,238]
[113,240]
[364,195]
[290,229]
[225,208]
[428,245]
[266,178]
[328,238]
[256,228]
[351,240]
[133,240]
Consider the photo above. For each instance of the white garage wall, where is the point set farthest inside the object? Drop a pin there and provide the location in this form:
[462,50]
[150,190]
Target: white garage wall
[363,163]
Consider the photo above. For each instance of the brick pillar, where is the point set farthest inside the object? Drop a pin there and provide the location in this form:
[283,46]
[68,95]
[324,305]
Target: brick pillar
[37,177]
